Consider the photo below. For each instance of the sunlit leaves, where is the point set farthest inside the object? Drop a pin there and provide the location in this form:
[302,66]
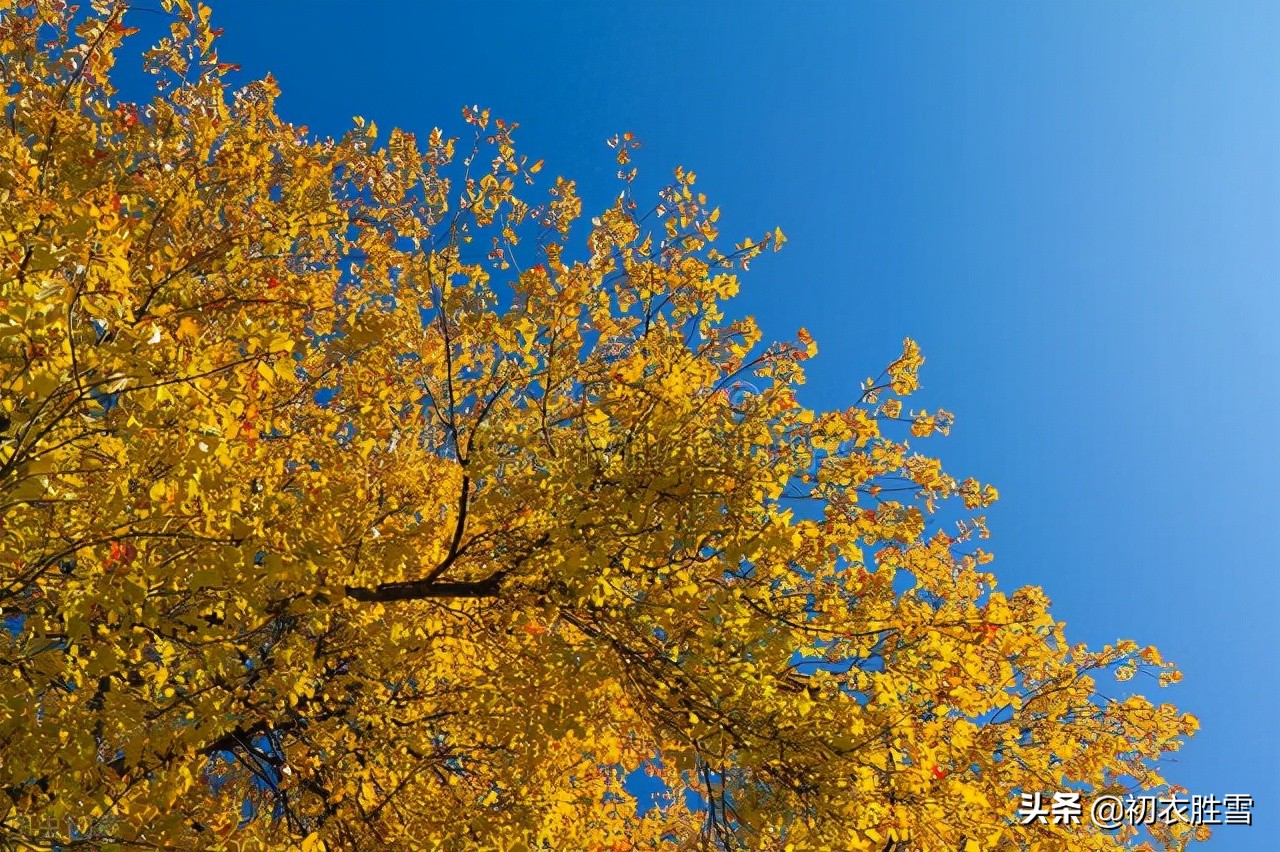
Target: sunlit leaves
[346,487]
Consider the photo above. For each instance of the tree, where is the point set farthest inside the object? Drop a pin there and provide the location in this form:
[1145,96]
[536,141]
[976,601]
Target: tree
[318,530]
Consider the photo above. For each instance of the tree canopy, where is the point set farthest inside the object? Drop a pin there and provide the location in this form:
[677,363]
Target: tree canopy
[361,493]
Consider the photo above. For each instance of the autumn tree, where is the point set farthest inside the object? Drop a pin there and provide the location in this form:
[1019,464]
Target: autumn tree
[359,494]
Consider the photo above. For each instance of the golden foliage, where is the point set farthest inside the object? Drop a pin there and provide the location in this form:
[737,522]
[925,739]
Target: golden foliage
[308,501]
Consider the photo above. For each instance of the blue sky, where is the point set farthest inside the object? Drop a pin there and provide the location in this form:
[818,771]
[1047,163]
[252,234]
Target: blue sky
[1075,209]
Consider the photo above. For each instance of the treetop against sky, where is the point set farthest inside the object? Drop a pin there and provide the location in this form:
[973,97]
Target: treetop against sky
[370,492]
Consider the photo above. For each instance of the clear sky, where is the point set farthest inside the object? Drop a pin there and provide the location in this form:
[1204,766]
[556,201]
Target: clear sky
[1074,208]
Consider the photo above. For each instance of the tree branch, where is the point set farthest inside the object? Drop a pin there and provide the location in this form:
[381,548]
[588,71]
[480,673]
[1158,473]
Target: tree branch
[414,590]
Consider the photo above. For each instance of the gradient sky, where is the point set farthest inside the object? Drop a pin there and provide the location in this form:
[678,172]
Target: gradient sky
[1073,208]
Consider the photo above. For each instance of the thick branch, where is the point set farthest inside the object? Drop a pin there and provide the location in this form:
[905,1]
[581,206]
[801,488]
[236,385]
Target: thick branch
[458,532]
[428,588]
[414,590]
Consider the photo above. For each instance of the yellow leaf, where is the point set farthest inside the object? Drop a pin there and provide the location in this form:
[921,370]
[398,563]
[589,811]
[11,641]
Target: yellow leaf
[187,329]
[266,372]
